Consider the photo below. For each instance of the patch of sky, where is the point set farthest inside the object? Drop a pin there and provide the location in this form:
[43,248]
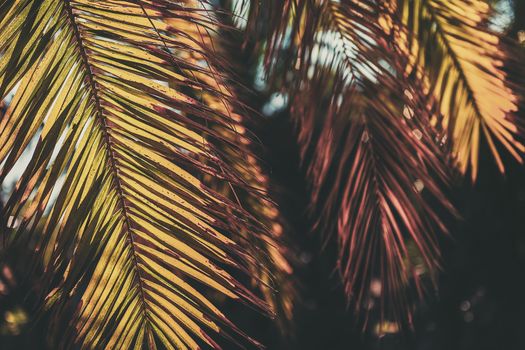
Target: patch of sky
[240,10]
[17,170]
[276,103]
[503,15]
[260,82]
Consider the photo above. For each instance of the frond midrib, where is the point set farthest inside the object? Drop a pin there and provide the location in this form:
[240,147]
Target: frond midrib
[102,122]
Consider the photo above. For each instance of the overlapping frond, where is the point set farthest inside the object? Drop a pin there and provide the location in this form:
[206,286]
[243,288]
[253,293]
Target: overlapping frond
[463,65]
[112,199]
[274,280]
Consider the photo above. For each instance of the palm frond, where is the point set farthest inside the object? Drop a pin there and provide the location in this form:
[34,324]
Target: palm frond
[274,279]
[464,65]
[371,155]
[112,198]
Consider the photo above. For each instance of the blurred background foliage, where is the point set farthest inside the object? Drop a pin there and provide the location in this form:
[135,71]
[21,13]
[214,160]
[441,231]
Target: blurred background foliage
[480,304]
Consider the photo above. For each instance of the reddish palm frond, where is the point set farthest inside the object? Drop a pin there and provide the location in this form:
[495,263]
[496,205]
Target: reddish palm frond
[371,155]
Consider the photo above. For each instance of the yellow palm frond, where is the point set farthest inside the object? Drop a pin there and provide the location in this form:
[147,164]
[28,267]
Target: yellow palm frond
[112,198]
[464,66]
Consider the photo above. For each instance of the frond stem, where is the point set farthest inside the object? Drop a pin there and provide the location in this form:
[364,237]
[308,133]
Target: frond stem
[93,91]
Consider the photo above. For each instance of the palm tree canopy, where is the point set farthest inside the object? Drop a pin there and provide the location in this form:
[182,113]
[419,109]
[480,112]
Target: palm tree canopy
[144,197]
